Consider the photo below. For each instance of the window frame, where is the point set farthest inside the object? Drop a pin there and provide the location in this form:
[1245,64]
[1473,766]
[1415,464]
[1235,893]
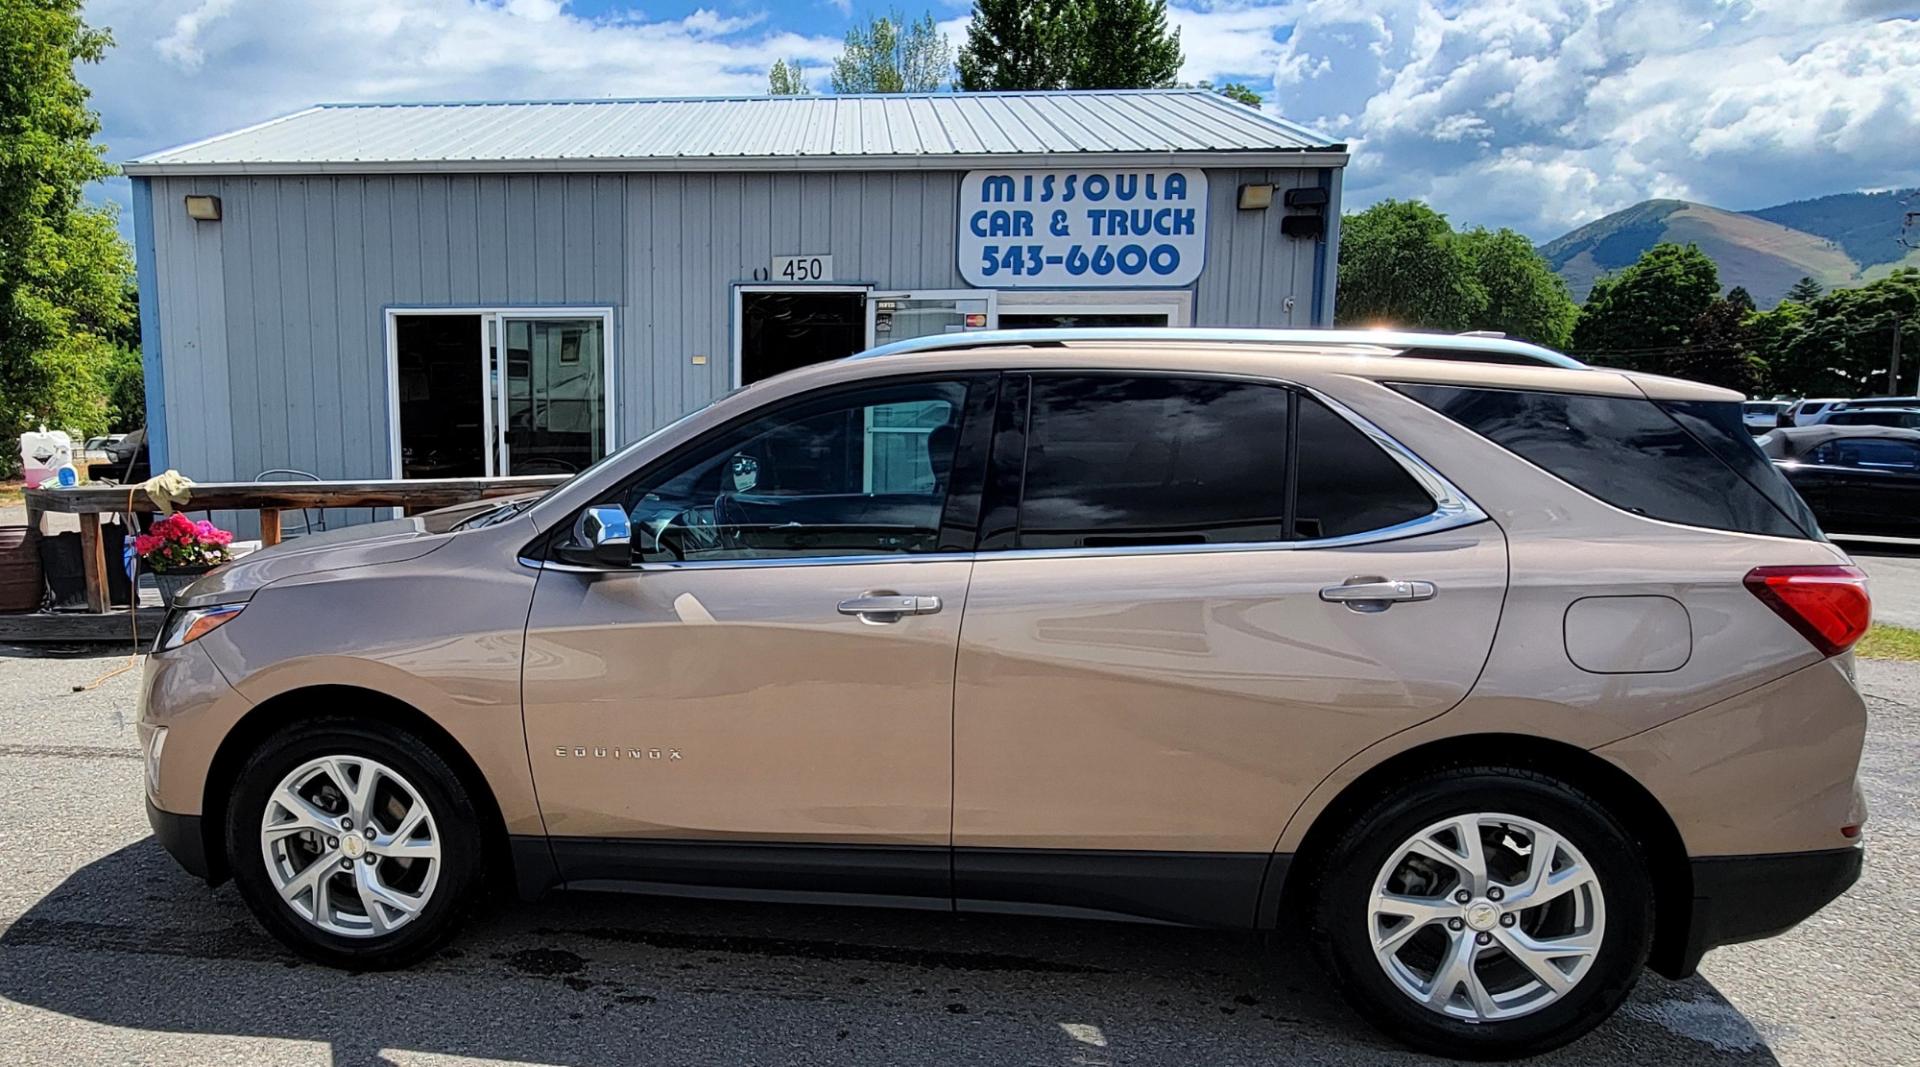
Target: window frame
[959,518]
[1006,478]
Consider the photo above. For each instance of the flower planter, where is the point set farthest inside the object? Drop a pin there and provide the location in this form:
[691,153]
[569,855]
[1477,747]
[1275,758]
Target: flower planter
[172,582]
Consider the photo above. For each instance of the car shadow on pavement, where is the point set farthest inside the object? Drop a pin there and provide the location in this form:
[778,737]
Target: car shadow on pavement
[130,941]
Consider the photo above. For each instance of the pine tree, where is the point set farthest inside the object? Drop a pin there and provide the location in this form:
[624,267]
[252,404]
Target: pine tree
[1125,44]
[1014,45]
[1804,291]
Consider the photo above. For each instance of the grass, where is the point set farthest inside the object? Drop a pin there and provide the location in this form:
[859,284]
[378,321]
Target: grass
[1889,642]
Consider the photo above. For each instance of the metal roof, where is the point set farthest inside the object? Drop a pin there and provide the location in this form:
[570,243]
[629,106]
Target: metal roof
[1468,348]
[1159,127]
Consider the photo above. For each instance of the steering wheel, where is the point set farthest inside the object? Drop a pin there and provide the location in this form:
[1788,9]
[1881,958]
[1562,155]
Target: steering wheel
[691,530]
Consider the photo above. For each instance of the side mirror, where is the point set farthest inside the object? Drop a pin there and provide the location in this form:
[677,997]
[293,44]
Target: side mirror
[606,535]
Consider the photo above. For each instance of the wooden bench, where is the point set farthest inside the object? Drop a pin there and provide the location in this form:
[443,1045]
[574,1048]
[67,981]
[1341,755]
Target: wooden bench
[89,502]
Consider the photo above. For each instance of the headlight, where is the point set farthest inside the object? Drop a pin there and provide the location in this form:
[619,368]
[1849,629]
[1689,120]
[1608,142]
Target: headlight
[191,624]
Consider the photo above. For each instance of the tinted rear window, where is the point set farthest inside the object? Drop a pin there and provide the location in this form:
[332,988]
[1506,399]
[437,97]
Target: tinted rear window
[1691,463]
[1115,461]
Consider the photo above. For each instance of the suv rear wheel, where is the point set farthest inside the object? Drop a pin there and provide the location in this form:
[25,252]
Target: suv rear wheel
[1484,913]
[353,843]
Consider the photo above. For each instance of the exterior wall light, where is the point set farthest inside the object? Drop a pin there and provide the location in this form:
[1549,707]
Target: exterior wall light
[1256,197]
[203,208]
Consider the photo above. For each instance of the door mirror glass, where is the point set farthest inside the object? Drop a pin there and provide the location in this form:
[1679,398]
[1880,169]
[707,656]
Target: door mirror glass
[604,536]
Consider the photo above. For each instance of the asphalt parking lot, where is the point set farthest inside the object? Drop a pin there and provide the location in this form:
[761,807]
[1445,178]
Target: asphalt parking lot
[109,954]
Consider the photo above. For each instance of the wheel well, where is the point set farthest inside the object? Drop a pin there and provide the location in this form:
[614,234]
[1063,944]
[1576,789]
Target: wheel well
[1626,799]
[278,713]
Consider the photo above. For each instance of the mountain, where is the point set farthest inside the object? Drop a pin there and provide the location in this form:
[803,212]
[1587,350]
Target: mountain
[1843,239]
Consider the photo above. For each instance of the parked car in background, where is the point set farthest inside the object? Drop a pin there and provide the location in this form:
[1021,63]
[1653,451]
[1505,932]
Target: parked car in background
[1857,479]
[1807,411]
[1813,412]
[1905,418]
[1762,415]
[1498,678]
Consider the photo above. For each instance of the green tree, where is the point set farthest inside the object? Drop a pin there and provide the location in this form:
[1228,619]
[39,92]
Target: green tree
[1842,343]
[64,271]
[1238,91]
[1014,45]
[1524,297]
[1643,315]
[1125,44]
[126,382]
[1402,265]
[890,55]
[787,79]
[1719,348]
[1804,291]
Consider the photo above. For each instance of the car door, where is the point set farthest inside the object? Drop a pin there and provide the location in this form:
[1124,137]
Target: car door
[1873,484]
[1194,600]
[764,698]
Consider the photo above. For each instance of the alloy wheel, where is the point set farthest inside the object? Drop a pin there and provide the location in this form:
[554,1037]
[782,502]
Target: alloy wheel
[350,846]
[1484,917]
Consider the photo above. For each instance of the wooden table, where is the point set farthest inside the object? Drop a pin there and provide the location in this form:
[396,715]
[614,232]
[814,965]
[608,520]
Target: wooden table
[89,502]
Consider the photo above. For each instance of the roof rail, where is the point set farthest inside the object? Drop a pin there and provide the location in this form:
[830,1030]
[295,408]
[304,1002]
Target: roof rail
[1461,347]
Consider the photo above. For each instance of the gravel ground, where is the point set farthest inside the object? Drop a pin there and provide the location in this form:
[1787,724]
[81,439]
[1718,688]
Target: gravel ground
[109,954]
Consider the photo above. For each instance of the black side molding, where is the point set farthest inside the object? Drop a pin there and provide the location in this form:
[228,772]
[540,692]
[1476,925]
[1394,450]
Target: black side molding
[1746,898]
[1188,888]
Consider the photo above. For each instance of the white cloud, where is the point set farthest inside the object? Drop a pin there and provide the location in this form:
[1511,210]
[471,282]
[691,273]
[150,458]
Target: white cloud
[174,77]
[182,46]
[1541,114]
[1538,114]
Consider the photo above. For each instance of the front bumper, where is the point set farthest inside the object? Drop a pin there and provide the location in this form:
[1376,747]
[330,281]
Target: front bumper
[181,836]
[1746,898]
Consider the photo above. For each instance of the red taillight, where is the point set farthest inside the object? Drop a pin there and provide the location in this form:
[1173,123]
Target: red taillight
[1828,605]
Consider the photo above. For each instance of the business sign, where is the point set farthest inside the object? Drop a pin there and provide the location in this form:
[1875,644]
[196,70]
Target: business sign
[1082,229]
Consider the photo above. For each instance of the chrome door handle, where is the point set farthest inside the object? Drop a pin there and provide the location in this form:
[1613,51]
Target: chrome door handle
[889,607]
[1376,594]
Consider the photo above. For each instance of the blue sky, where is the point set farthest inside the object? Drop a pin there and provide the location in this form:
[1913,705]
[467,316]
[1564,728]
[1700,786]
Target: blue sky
[1535,114]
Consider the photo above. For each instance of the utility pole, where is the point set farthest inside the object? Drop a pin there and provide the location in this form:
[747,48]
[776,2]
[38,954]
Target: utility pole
[1893,363]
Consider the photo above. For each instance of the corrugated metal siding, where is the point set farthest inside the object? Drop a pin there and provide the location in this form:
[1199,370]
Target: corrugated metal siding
[274,317]
[797,128]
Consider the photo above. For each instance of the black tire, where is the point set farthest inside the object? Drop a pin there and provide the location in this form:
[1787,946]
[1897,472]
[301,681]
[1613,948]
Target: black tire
[454,821]
[1342,887]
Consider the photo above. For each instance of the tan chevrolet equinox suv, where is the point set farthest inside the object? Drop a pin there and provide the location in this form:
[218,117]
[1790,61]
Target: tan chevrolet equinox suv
[1497,675]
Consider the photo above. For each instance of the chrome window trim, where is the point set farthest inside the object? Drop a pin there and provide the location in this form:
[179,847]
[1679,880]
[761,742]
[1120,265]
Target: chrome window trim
[1452,509]
[1439,521]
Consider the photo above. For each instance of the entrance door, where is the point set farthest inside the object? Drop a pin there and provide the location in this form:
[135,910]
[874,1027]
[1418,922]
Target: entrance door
[440,401]
[552,394]
[902,315]
[781,329]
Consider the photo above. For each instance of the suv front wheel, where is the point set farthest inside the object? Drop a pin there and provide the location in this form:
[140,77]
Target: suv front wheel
[353,843]
[1484,913]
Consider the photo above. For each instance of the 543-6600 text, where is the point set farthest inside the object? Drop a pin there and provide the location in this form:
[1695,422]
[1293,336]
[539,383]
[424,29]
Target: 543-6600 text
[1099,260]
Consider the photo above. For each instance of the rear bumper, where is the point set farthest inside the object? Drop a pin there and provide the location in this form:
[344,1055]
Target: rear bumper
[180,835]
[1746,898]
